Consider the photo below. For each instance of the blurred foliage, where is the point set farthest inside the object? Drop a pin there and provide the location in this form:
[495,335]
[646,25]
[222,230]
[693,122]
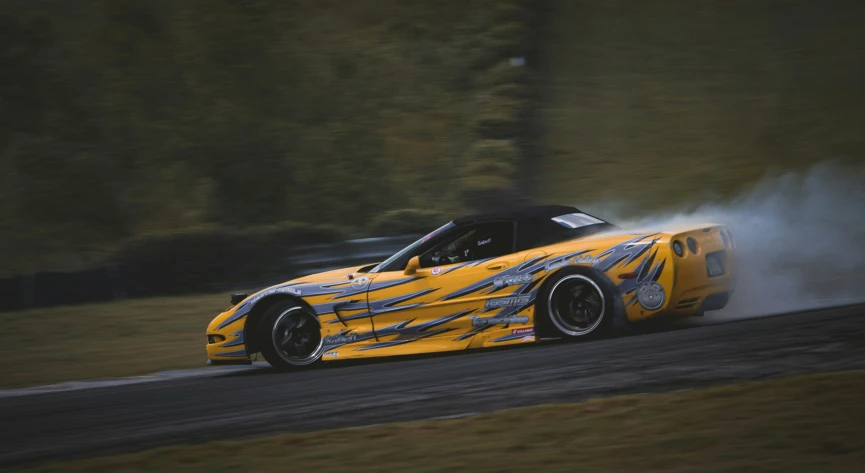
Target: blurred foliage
[164,331]
[123,119]
[670,102]
[126,118]
[208,258]
[407,221]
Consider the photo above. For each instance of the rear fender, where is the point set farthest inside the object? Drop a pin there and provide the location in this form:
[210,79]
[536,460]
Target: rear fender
[634,263]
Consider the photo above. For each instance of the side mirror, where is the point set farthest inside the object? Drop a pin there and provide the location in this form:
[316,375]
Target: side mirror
[412,266]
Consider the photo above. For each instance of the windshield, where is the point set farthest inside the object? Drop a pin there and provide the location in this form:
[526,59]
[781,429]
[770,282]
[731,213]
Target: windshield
[411,249]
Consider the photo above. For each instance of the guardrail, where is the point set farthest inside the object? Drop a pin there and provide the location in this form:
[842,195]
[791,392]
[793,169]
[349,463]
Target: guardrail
[116,282]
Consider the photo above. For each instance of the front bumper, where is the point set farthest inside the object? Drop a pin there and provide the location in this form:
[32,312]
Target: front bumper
[226,347]
[226,343]
[247,361]
[219,352]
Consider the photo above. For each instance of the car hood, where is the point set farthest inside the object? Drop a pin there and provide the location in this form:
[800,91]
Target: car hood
[332,277]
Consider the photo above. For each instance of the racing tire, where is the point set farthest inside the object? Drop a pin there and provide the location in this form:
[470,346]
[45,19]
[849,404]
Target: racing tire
[578,303]
[289,336]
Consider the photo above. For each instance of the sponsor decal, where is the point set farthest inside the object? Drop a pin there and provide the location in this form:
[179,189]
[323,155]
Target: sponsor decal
[529,338]
[649,270]
[552,266]
[517,280]
[651,295]
[277,290]
[484,242]
[523,331]
[584,259]
[340,339]
[360,282]
[331,354]
[436,271]
[508,302]
[498,320]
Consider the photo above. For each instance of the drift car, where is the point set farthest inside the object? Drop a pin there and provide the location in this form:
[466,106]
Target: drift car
[482,281]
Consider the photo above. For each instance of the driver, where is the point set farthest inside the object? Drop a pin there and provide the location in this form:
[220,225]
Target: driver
[457,251]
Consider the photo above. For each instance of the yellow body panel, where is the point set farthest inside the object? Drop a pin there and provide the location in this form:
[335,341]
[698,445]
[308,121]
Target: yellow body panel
[482,303]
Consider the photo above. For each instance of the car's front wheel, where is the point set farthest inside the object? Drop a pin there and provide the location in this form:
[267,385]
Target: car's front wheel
[290,336]
[575,304]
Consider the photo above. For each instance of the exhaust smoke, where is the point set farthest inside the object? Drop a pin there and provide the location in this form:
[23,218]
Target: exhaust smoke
[800,238]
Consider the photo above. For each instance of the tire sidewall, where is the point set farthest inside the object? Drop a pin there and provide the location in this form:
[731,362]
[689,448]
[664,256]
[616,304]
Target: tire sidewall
[611,319]
[265,335]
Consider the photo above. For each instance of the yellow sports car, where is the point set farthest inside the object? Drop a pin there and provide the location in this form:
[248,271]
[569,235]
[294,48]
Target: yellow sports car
[481,281]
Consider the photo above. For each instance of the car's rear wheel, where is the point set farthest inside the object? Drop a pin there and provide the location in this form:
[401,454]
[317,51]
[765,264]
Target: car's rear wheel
[575,304]
[290,336]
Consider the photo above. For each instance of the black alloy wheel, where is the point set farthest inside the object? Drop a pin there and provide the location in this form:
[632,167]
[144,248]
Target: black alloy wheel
[290,336]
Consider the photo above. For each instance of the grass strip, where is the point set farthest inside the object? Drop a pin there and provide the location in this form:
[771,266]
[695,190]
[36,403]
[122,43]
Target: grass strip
[799,424]
[93,341]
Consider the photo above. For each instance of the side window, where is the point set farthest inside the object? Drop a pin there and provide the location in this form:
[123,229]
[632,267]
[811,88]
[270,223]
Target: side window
[486,240]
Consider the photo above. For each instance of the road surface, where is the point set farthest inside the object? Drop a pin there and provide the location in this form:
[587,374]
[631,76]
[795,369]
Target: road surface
[87,422]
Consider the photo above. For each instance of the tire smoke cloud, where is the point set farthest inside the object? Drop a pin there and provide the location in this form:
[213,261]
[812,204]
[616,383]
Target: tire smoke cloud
[800,238]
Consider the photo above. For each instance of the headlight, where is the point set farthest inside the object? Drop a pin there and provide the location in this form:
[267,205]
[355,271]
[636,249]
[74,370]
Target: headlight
[678,248]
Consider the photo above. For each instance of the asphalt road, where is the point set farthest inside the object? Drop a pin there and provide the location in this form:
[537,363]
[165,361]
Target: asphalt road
[88,422]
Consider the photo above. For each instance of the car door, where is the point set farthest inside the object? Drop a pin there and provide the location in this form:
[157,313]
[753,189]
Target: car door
[439,305]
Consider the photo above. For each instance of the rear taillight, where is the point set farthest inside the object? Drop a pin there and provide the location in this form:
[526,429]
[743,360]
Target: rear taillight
[692,245]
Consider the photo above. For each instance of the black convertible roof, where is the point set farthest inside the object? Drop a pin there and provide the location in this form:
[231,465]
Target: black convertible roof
[535,212]
[535,225]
